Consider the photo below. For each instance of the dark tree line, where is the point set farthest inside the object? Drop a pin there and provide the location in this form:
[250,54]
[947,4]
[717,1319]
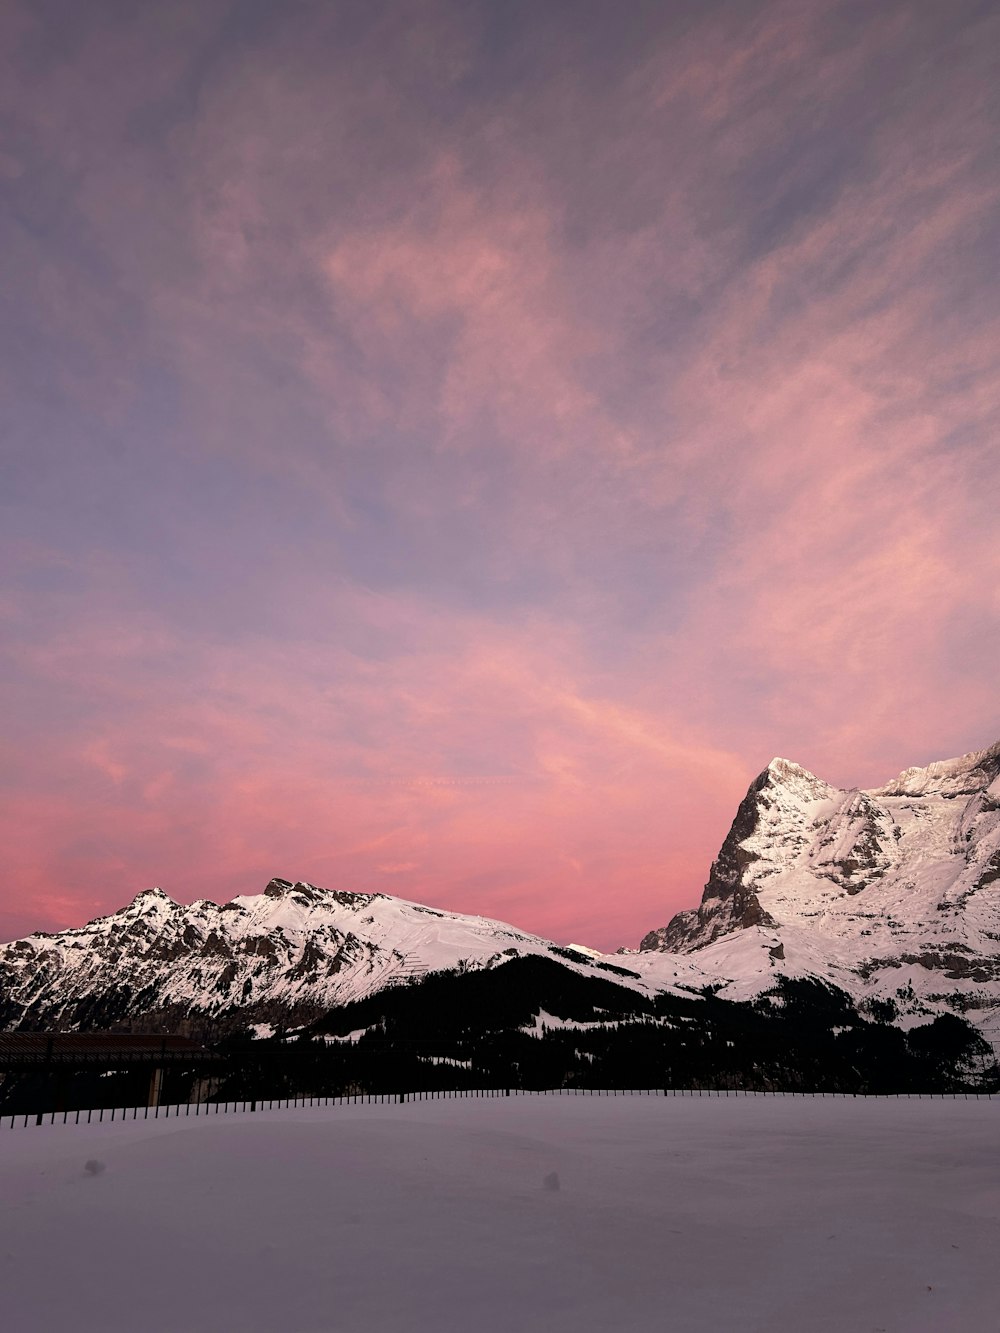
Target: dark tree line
[532,1023]
[480,1030]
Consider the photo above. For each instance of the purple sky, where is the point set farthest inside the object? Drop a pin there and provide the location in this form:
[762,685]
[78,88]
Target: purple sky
[448,449]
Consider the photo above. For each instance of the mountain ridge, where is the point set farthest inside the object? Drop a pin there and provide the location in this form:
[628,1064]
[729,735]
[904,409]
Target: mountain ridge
[890,894]
[286,955]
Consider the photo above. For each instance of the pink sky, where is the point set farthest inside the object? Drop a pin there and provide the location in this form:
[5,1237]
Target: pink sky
[448,449]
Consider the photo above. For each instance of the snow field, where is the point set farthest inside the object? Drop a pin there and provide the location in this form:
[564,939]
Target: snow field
[519,1214]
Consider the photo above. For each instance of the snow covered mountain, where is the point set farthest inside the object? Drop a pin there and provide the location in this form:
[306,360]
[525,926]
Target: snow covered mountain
[284,956]
[891,894]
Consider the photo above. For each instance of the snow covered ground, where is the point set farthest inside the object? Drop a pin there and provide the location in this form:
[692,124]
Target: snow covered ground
[535,1213]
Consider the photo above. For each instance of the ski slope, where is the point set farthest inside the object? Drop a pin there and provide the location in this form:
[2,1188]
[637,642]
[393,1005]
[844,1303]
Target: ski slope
[550,1213]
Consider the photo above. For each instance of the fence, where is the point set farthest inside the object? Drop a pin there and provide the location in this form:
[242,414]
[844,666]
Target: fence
[203,1109]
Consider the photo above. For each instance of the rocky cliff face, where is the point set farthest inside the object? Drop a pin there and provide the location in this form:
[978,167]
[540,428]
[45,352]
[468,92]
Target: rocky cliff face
[772,820]
[891,893]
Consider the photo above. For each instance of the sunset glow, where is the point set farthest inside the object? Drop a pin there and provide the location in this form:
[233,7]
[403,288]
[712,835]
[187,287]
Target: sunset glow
[448,449]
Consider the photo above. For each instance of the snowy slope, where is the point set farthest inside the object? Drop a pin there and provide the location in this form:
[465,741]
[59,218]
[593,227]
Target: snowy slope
[697,1215]
[891,893]
[285,955]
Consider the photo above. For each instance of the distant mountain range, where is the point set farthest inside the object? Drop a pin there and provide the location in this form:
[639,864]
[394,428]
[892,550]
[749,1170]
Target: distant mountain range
[890,896]
[283,957]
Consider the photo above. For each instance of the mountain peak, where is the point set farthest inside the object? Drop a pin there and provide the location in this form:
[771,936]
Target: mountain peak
[784,767]
[154,894]
[893,891]
[795,779]
[277,888]
[963,776]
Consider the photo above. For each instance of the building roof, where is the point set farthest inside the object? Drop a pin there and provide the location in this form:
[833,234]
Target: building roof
[111,1049]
